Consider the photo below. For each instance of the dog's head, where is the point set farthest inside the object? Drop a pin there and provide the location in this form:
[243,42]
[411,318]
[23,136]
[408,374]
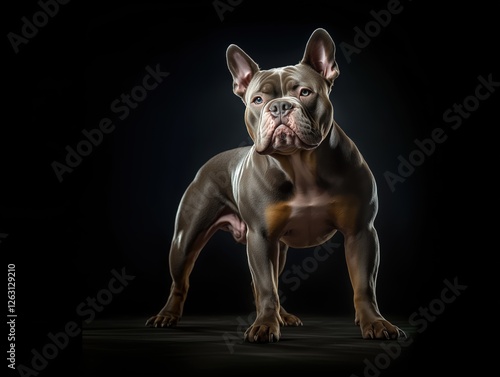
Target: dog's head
[287,109]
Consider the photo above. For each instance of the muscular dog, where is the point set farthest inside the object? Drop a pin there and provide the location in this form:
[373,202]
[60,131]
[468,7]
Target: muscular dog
[302,181]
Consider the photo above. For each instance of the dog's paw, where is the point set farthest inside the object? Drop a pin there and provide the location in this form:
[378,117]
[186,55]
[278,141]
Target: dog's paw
[167,320]
[290,320]
[381,329]
[265,332]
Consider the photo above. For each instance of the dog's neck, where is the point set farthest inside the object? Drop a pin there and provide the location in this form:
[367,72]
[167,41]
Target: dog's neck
[301,167]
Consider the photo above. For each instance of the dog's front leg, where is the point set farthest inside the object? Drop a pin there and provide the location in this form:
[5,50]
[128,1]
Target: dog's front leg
[263,259]
[362,255]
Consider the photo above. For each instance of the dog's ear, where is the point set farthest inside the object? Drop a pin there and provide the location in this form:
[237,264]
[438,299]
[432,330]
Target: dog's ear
[320,55]
[242,68]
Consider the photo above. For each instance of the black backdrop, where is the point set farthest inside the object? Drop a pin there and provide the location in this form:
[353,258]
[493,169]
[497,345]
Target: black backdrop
[116,208]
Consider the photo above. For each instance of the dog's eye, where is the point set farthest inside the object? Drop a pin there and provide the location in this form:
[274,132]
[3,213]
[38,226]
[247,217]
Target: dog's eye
[305,92]
[257,100]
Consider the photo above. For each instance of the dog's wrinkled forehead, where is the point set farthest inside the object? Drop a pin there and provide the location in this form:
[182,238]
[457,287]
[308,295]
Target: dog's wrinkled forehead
[283,81]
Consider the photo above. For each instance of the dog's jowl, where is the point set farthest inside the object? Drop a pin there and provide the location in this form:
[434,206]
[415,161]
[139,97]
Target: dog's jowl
[300,182]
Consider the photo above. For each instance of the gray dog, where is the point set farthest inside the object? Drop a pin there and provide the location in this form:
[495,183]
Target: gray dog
[301,181]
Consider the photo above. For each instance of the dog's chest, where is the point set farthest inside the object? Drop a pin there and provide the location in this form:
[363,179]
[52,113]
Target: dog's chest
[309,222]
[306,219]
[312,213]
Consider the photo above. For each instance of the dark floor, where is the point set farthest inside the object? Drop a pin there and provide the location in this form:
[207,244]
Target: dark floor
[203,344]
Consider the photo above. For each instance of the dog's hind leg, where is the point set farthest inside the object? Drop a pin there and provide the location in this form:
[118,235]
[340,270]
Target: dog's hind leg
[201,213]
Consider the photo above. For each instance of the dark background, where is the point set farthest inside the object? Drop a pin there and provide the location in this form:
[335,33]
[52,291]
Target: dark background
[116,209]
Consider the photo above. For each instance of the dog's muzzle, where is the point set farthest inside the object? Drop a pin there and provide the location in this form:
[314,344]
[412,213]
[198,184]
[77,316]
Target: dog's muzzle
[286,127]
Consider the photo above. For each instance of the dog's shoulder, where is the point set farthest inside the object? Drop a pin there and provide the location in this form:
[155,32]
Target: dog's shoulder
[224,162]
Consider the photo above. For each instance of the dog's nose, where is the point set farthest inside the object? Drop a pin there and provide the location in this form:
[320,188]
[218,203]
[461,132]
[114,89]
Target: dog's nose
[280,108]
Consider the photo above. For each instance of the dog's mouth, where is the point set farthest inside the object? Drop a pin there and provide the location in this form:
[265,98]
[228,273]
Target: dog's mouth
[284,140]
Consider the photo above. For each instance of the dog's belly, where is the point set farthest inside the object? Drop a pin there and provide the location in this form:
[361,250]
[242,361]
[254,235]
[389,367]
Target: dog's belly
[309,222]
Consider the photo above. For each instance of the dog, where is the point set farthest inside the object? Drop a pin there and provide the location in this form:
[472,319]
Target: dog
[301,181]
